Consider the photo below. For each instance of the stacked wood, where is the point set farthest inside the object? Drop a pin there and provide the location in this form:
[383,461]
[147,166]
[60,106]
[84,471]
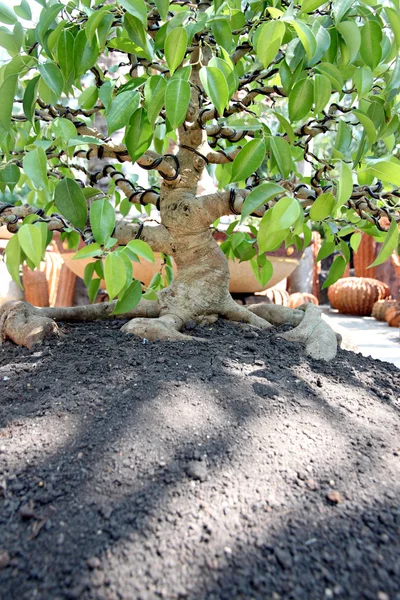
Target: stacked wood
[392,316]
[364,257]
[66,287]
[277,296]
[316,246]
[380,307]
[357,295]
[35,285]
[41,285]
[300,298]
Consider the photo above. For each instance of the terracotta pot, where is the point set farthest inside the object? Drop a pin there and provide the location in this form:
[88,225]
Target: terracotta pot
[392,316]
[357,295]
[300,298]
[380,308]
[284,261]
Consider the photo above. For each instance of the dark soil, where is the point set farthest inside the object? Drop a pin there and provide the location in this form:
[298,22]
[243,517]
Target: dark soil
[234,468]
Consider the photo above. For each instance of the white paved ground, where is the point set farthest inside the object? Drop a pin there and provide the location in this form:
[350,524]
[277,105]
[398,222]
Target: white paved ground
[371,337]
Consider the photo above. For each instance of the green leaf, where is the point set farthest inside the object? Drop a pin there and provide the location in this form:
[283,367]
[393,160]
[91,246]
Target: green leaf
[88,98]
[327,248]
[13,258]
[345,184]
[142,249]
[363,80]
[7,15]
[122,108]
[30,238]
[136,32]
[35,166]
[300,99]
[52,76]
[269,40]
[65,55]
[355,241]
[285,213]
[89,251]
[154,94]
[269,238]
[177,98]
[222,33]
[137,8]
[394,19]
[306,36]
[30,96]
[322,207]
[308,6]
[282,154]
[11,41]
[93,289]
[88,273]
[259,196]
[386,170]
[64,128]
[114,274]
[286,126]
[94,22]
[389,245]
[162,7]
[175,48]
[23,10]
[83,140]
[216,87]
[322,92]
[228,71]
[350,32]
[70,201]
[10,175]
[368,125]
[139,134]
[130,299]
[7,93]
[265,272]
[335,272]
[333,74]
[248,160]
[85,54]
[371,50]
[46,18]
[340,8]
[102,220]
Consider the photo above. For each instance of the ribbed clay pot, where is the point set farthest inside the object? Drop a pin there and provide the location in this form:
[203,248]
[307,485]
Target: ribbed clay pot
[300,298]
[379,308]
[392,316]
[357,295]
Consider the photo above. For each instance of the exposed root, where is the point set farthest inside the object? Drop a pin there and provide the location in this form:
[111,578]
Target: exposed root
[309,328]
[235,312]
[164,328]
[278,315]
[23,324]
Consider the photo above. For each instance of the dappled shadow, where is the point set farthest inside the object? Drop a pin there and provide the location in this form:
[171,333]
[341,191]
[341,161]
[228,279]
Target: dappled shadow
[116,484]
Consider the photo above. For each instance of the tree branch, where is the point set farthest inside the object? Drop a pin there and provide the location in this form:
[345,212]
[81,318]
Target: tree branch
[158,237]
[230,203]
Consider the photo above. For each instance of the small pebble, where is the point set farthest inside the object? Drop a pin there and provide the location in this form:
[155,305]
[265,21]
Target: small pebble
[197,470]
[4,559]
[93,562]
[334,497]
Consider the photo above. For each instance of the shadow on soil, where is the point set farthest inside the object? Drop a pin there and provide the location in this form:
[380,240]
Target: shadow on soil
[245,472]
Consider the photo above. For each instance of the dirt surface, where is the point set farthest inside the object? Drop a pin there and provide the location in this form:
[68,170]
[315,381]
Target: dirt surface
[227,469]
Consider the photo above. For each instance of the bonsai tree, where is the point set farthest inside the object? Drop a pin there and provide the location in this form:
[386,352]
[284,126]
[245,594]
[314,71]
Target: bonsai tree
[246,91]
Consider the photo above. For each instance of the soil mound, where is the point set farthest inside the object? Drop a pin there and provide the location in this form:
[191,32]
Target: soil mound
[234,468]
